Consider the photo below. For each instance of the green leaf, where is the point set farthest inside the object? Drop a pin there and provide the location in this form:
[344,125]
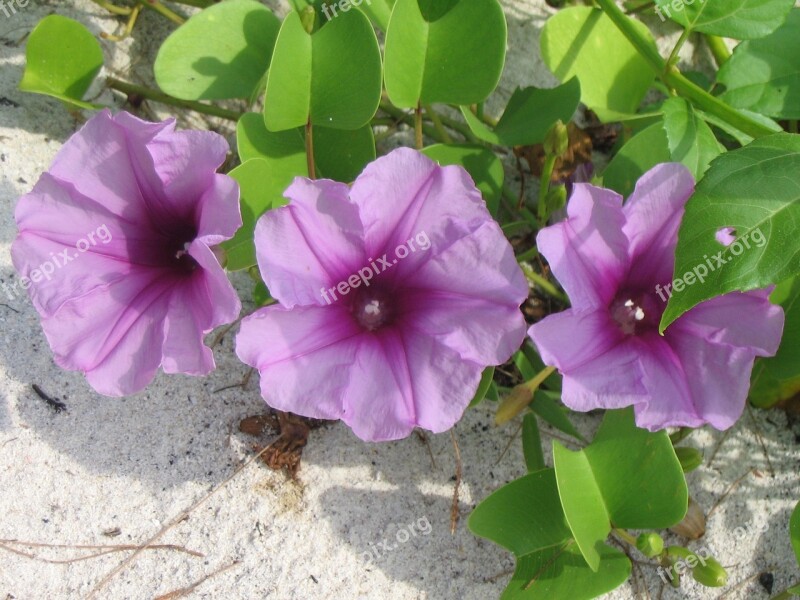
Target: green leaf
[261,189]
[794,532]
[690,140]
[378,11]
[778,378]
[756,191]
[582,502]
[451,52]
[584,42]
[221,52]
[331,78]
[483,386]
[562,573]
[341,154]
[738,19]
[284,150]
[764,75]
[62,58]
[529,115]
[532,444]
[481,163]
[638,473]
[641,153]
[507,517]
[627,476]
[338,154]
[546,404]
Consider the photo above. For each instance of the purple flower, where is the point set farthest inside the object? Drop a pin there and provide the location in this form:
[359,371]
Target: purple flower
[115,242]
[613,261]
[394,296]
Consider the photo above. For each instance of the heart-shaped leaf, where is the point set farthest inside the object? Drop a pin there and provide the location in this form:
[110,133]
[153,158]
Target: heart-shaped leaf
[62,59]
[764,75]
[529,115]
[756,191]
[562,573]
[331,78]
[449,51]
[221,52]
[738,19]
[690,139]
[584,42]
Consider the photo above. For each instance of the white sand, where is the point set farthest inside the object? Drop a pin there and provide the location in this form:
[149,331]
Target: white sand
[137,463]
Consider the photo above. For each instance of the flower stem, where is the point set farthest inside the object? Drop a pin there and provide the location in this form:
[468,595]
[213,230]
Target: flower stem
[437,123]
[543,283]
[163,10]
[122,11]
[673,56]
[718,48]
[131,89]
[196,3]
[312,169]
[544,186]
[627,537]
[418,127]
[674,79]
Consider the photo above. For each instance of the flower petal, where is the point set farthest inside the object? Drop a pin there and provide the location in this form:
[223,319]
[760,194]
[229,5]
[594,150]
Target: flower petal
[303,355]
[572,338]
[615,380]
[220,216]
[401,380]
[718,376]
[653,215]
[313,243]
[669,401]
[479,330]
[745,320]
[97,163]
[114,336]
[588,251]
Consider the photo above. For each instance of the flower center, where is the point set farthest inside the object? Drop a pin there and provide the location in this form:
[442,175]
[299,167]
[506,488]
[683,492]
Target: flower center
[177,250]
[372,308]
[636,313]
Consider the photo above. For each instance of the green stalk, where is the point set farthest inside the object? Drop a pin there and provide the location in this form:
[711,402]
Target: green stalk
[437,123]
[543,283]
[718,48]
[122,11]
[163,11]
[195,3]
[544,186]
[674,79]
[131,89]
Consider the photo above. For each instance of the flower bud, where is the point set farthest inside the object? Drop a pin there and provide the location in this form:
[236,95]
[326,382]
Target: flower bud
[710,573]
[556,141]
[650,544]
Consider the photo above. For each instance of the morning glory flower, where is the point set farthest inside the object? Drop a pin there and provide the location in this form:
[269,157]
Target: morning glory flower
[615,262]
[394,296]
[116,246]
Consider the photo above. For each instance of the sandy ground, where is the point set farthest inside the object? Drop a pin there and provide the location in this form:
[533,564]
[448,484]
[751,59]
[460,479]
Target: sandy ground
[135,464]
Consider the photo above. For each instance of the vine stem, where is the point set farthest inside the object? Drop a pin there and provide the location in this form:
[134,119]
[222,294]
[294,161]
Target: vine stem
[418,127]
[675,80]
[718,49]
[437,123]
[122,11]
[544,186]
[312,169]
[163,11]
[543,283]
[131,89]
